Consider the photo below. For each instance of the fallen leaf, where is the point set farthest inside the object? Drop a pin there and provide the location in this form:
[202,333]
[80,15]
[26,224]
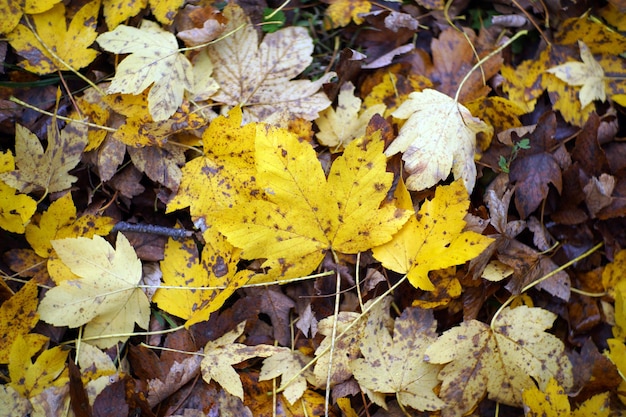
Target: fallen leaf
[396,365]
[287,364]
[70,44]
[304,213]
[341,126]
[436,240]
[46,171]
[18,316]
[154,60]
[502,360]
[341,12]
[16,209]
[216,270]
[222,353]
[12,12]
[30,379]
[588,75]
[105,297]
[438,137]
[258,76]
[118,11]
[555,403]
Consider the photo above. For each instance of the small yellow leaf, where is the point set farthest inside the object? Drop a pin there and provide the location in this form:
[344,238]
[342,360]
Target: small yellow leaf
[438,137]
[105,297]
[341,126]
[287,364]
[588,74]
[436,240]
[221,354]
[216,270]
[46,171]
[341,12]
[154,60]
[18,315]
[70,44]
[30,379]
[15,209]
[552,403]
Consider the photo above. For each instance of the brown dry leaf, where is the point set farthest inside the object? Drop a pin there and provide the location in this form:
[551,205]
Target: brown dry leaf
[46,171]
[258,76]
[396,365]
[438,137]
[502,361]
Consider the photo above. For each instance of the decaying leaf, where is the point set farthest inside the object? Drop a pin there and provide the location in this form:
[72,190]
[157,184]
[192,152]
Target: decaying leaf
[305,214]
[502,361]
[587,74]
[287,364]
[105,297]
[436,240]
[221,354]
[438,137]
[70,44]
[154,60]
[553,402]
[258,77]
[396,365]
[46,171]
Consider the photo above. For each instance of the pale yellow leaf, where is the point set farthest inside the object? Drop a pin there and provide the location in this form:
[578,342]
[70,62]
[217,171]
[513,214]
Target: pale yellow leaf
[588,74]
[287,364]
[259,76]
[155,60]
[438,137]
[340,126]
[106,297]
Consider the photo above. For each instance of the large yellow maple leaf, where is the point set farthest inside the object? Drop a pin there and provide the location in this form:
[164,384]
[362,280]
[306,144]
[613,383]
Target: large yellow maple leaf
[70,44]
[259,76]
[438,137]
[154,60]
[434,239]
[502,360]
[303,214]
[105,294]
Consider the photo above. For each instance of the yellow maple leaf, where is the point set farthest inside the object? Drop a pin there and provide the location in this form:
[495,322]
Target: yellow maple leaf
[554,402]
[15,209]
[154,60]
[12,11]
[18,315]
[30,379]
[438,137]
[70,44]
[395,365]
[304,214]
[588,74]
[216,270]
[288,365]
[61,221]
[224,174]
[46,171]
[341,12]
[341,126]
[105,297]
[502,360]
[258,76]
[117,11]
[434,239]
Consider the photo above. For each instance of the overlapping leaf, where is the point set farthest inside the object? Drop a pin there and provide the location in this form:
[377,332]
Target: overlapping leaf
[305,214]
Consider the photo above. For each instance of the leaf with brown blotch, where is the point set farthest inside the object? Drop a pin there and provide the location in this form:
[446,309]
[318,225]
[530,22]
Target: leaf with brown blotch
[501,361]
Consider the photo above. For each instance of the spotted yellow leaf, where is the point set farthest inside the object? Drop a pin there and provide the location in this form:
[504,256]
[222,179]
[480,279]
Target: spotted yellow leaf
[304,214]
[69,43]
[434,239]
[15,209]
